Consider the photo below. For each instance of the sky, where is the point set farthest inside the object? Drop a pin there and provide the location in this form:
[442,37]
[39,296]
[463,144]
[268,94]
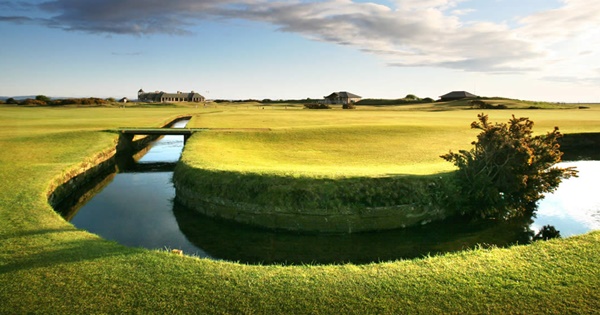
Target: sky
[540,50]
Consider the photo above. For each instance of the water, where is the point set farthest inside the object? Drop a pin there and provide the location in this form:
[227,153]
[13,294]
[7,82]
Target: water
[578,195]
[137,209]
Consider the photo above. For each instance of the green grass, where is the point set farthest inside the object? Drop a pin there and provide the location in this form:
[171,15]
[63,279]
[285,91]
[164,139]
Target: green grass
[369,142]
[47,266]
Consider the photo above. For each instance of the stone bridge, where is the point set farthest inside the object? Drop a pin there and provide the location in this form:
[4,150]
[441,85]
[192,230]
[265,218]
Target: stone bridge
[127,145]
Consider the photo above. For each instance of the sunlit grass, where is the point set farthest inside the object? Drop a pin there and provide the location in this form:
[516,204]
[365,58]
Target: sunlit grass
[335,143]
[47,266]
[329,152]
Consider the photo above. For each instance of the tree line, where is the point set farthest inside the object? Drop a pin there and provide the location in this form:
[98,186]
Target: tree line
[42,100]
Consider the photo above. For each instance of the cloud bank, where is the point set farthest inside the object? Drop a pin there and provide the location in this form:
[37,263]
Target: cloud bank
[424,33]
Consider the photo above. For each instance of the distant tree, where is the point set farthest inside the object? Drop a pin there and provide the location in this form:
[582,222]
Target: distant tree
[508,170]
[43,98]
[411,97]
[111,99]
[11,101]
[547,232]
[428,100]
[33,102]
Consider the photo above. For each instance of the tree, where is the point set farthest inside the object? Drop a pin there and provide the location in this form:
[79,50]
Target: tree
[509,169]
[547,232]
[43,98]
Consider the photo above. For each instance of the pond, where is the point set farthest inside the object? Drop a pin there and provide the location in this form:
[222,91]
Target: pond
[135,207]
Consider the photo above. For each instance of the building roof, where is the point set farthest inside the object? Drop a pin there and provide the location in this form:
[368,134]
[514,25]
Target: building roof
[159,95]
[458,95]
[342,94]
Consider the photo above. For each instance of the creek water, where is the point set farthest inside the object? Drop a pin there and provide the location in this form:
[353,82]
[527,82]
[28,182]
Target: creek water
[135,207]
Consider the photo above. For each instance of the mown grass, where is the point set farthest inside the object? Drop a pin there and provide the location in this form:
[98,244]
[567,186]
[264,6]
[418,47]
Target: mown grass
[47,266]
[370,142]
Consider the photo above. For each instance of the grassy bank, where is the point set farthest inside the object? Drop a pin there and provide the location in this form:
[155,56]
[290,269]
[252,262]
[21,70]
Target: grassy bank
[48,266]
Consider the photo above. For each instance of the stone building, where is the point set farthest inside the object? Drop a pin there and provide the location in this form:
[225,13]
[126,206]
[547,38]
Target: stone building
[163,97]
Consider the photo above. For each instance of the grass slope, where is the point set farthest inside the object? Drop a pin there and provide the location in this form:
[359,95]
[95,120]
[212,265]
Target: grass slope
[49,267]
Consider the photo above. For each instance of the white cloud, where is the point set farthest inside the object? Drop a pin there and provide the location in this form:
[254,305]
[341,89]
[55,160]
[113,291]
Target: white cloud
[408,33]
[573,18]
[570,37]
[416,33]
[420,5]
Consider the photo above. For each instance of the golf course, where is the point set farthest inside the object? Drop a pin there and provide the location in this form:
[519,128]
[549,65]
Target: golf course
[48,266]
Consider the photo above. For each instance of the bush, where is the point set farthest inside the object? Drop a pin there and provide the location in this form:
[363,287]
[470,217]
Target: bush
[79,101]
[349,106]
[316,106]
[479,104]
[32,102]
[546,233]
[43,98]
[508,170]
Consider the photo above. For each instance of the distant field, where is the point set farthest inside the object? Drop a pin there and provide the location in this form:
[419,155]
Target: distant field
[369,141]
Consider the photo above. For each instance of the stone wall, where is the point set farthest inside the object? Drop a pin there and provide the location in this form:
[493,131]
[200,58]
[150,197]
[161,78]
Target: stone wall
[309,220]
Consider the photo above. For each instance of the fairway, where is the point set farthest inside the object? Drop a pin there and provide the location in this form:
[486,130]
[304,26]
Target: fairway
[48,266]
[368,142]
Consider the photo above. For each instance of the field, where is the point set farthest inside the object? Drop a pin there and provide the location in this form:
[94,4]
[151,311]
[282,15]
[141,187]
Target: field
[371,142]
[47,266]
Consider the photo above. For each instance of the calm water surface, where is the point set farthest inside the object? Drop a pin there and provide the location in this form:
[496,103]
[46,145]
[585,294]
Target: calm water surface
[575,207]
[137,209]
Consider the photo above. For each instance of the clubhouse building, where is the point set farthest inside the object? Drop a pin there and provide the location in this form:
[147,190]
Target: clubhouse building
[162,97]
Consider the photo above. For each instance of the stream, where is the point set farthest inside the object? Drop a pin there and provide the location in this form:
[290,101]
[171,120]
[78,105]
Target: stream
[135,207]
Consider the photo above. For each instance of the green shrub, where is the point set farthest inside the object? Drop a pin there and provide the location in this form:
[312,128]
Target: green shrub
[32,102]
[546,233]
[316,106]
[508,170]
[43,98]
[479,104]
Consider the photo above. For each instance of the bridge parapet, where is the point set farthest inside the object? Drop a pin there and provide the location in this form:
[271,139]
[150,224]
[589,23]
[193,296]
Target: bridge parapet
[126,145]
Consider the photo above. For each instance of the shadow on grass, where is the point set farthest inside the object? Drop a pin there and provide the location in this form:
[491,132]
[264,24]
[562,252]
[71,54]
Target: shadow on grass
[27,254]
[36,232]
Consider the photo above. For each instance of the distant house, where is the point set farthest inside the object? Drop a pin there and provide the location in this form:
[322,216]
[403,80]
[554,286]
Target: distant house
[161,97]
[457,95]
[124,100]
[342,98]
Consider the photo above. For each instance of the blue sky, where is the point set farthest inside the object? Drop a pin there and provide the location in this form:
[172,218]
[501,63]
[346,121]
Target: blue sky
[547,50]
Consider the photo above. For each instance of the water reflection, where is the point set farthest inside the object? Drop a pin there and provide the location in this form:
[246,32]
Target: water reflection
[135,207]
[579,195]
[236,242]
[132,211]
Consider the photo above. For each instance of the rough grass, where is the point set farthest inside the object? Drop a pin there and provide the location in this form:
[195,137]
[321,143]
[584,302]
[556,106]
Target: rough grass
[49,267]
